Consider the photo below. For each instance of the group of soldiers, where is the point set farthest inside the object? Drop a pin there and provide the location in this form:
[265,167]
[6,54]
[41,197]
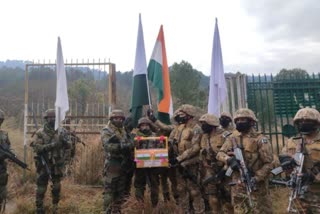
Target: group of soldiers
[214,166]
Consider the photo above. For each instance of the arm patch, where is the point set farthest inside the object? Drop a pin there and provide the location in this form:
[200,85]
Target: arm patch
[264,140]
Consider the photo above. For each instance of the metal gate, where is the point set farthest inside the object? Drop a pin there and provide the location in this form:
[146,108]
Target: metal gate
[276,100]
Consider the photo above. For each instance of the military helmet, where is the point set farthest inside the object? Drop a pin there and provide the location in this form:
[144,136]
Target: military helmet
[188,109]
[245,112]
[210,119]
[49,113]
[144,120]
[117,113]
[307,114]
[1,115]
[226,114]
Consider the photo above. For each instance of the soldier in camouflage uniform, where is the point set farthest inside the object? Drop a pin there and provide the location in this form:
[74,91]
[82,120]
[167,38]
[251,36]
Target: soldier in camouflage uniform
[307,121]
[257,154]
[49,146]
[5,142]
[166,130]
[226,121]
[211,142]
[187,136]
[144,176]
[119,165]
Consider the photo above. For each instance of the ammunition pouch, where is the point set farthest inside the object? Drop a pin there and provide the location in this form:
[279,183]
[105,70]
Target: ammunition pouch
[3,179]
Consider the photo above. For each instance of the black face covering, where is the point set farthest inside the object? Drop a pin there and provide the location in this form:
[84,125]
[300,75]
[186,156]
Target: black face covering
[146,131]
[117,123]
[224,122]
[243,126]
[307,127]
[206,128]
[51,123]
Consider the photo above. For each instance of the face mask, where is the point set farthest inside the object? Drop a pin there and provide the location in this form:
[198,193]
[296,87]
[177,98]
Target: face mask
[224,122]
[51,123]
[146,131]
[206,128]
[243,126]
[117,123]
[307,127]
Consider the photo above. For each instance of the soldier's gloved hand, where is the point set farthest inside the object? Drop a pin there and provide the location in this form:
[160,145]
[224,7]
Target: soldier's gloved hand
[204,152]
[151,116]
[233,163]
[173,162]
[287,162]
[307,178]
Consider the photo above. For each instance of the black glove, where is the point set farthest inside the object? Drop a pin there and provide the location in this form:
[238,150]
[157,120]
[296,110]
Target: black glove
[287,162]
[233,163]
[173,161]
[151,115]
[307,178]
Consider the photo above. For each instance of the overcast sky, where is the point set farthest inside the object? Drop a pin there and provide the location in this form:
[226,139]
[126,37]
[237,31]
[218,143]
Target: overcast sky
[260,36]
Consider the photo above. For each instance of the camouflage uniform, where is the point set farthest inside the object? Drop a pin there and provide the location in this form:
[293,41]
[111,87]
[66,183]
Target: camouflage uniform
[258,158]
[49,146]
[211,143]
[187,136]
[164,129]
[119,165]
[144,176]
[310,203]
[5,142]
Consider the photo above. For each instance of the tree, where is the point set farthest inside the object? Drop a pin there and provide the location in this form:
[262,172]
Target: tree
[185,83]
[295,73]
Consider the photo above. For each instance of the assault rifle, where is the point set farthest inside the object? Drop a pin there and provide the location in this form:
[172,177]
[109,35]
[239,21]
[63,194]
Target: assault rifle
[6,153]
[295,182]
[245,175]
[215,178]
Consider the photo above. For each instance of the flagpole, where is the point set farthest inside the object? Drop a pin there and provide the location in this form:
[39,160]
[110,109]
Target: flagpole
[149,96]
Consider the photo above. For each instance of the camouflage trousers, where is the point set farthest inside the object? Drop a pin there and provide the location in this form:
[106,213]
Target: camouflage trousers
[310,203]
[261,199]
[169,173]
[151,177]
[42,184]
[116,189]
[189,193]
[3,189]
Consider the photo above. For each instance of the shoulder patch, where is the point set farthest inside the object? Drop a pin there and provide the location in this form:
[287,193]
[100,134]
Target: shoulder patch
[226,134]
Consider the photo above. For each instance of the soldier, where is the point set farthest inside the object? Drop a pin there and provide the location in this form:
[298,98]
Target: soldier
[307,121]
[119,165]
[144,176]
[211,142]
[226,121]
[49,147]
[5,142]
[257,154]
[164,129]
[187,137]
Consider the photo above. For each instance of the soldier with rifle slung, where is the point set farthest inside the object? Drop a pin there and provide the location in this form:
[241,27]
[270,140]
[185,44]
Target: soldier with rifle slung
[49,146]
[119,165]
[5,153]
[187,137]
[212,171]
[248,154]
[301,157]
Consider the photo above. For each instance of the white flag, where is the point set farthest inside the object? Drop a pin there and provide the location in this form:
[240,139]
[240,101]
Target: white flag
[62,100]
[218,89]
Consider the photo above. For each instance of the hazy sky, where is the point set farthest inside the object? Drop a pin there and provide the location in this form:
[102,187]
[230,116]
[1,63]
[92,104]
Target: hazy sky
[260,36]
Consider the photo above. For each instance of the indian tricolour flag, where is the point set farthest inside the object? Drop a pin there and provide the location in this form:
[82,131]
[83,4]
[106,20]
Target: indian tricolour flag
[140,91]
[158,74]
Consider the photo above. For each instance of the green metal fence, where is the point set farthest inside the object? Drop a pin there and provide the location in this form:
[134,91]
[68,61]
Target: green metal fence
[276,100]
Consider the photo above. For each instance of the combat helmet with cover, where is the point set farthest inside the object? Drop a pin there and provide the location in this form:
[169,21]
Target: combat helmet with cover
[144,120]
[307,114]
[117,113]
[210,119]
[188,109]
[49,113]
[245,113]
[226,114]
